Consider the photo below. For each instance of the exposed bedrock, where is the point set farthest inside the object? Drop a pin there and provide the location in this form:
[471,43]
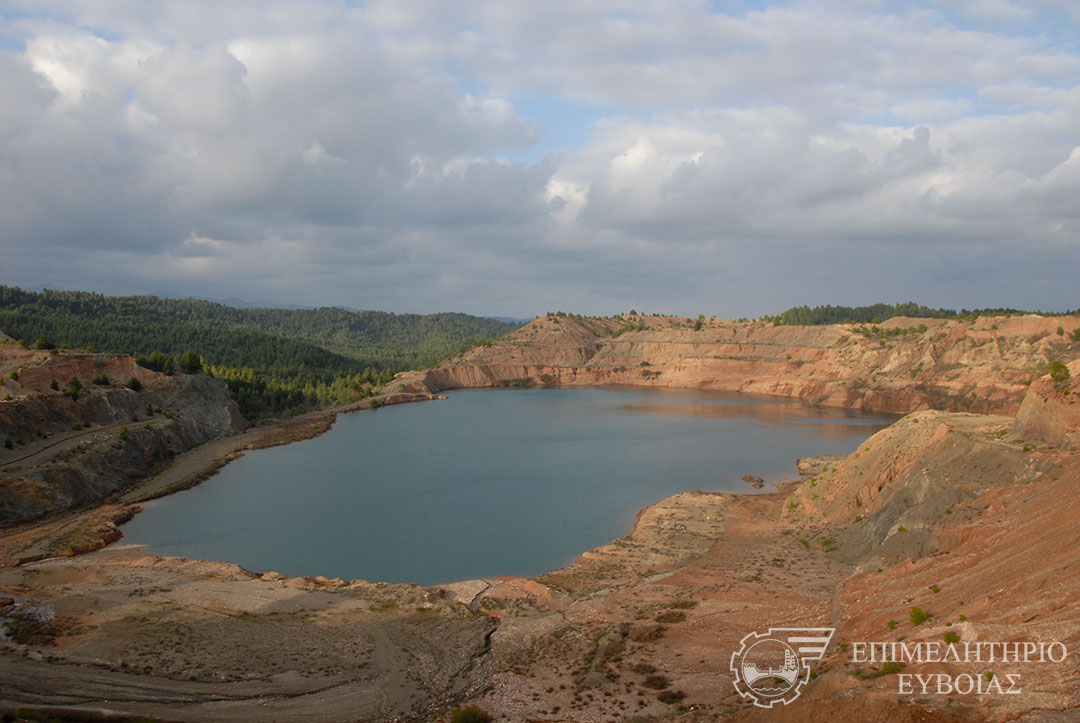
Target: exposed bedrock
[902,365]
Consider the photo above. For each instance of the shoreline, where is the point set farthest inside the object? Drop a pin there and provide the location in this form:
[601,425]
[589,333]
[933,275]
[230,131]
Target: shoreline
[281,432]
[93,526]
[674,596]
[100,523]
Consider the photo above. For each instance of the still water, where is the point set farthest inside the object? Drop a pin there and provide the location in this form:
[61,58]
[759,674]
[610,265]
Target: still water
[487,482]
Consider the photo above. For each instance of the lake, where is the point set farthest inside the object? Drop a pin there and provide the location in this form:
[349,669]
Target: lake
[488,482]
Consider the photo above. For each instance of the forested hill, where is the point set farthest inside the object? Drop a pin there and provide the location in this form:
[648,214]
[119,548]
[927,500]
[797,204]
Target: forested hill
[877,313]
[277,360]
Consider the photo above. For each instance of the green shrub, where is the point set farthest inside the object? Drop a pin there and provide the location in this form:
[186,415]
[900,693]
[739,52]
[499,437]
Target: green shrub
[469,714]
[892,624]
[101,380]
[918,616]
[890,668]
[73,388]
[123,433]
[935,589]
[1058,371]
[951,636]
[134,384]
[190,362]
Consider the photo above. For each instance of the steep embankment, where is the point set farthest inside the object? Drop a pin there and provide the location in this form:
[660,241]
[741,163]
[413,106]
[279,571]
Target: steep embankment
[74,431]
[902,365]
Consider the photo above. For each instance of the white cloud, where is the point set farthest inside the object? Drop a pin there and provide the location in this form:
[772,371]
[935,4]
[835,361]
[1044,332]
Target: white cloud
[318,153]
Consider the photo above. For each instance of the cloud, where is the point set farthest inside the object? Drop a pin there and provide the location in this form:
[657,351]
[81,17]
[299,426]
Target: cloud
[372,156]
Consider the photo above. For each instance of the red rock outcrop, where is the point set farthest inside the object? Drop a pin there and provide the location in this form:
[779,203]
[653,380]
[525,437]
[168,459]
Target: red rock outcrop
[902,365]
[1050,413]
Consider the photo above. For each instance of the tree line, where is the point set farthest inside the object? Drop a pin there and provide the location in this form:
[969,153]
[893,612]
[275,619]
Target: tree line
[877,313]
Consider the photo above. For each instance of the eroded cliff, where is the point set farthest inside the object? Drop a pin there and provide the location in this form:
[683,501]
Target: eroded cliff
[902,365]
[70,444]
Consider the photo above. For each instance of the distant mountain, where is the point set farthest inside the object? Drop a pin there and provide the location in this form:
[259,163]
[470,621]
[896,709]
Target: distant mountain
[510,319]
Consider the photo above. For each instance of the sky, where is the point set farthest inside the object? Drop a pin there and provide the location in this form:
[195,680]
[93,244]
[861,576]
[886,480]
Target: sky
[726,158]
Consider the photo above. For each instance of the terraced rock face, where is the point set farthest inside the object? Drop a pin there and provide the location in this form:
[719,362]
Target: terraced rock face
[903,365]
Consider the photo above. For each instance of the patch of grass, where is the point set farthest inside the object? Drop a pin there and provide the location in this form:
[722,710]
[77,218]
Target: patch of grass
[647,633]
[918,616]
[671,696]
[683,604]
[469,714]
[892,624]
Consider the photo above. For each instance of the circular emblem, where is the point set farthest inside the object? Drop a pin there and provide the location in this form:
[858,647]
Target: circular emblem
[768,668]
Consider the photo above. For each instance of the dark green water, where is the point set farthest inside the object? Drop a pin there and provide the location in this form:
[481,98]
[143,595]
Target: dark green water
[487,482]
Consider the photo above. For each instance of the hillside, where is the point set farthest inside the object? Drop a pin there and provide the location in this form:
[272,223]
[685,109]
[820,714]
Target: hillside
[113,323]
[276,361]
[902,365]
[77,427]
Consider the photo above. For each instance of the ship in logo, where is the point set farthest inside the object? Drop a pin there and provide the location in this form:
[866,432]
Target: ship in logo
[788,672]
[772,667]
